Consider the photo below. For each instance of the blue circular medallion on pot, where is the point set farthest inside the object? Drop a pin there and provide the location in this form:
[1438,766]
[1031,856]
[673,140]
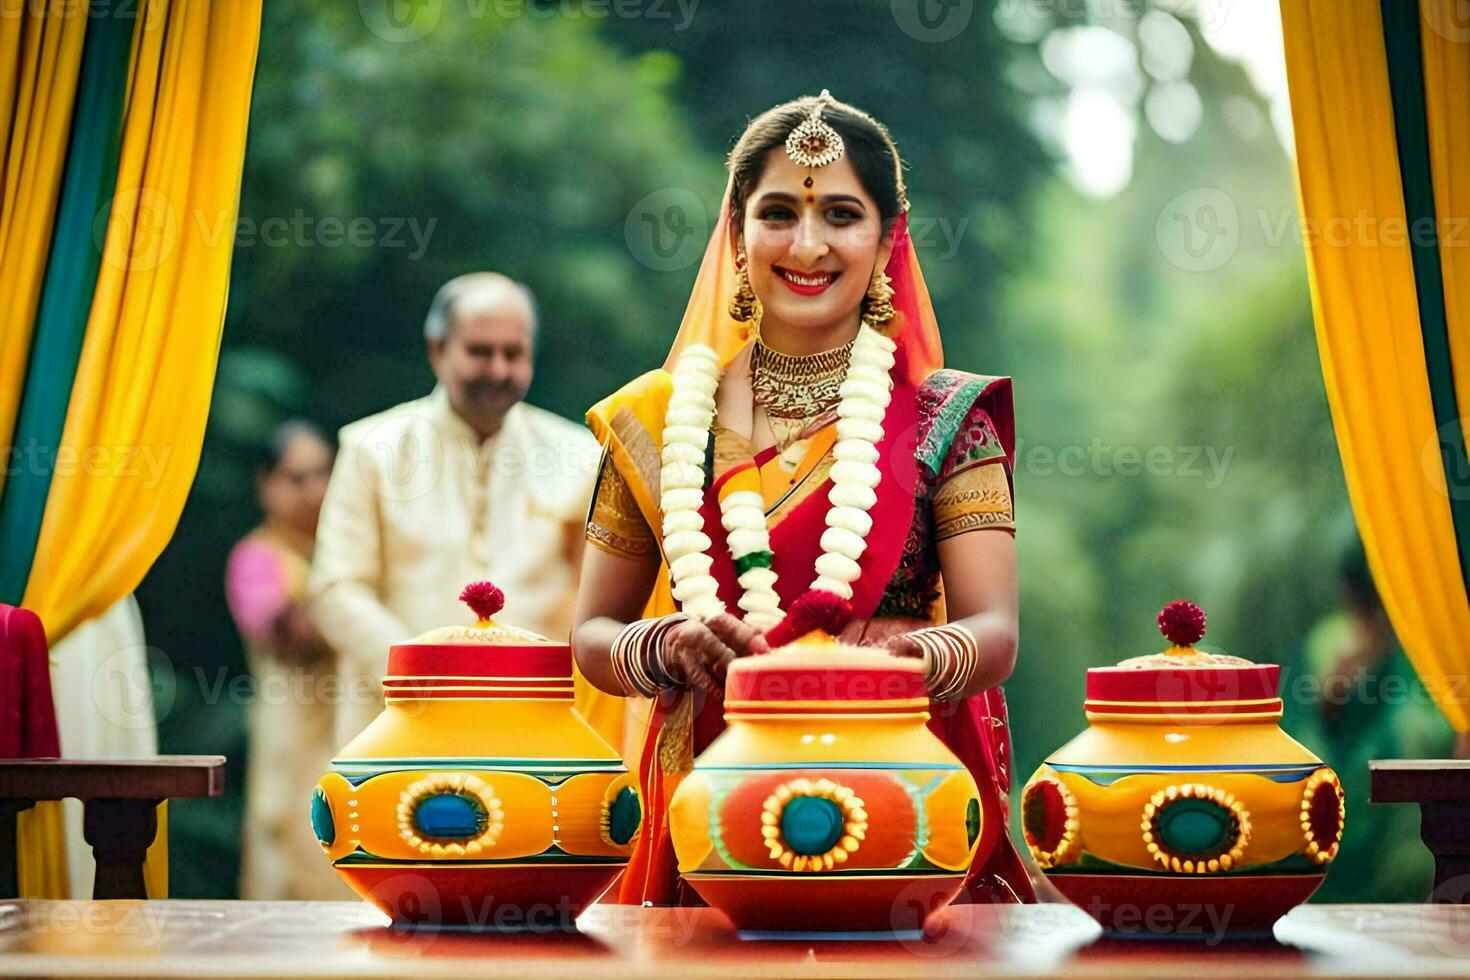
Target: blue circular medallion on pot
[450,816]
[624,814]
[1196,827]
[811,825]
[322,823]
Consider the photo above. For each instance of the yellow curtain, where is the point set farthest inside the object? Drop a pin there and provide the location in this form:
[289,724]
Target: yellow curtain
[1446,39]
[1367,311]
[41,52]
[136,417]
[141,396]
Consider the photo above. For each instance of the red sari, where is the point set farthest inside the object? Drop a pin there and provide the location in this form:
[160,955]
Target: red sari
[939,423]
[949,422]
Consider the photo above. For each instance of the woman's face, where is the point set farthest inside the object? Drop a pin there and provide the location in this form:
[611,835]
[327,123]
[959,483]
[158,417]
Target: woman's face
[293,491]
[812,250]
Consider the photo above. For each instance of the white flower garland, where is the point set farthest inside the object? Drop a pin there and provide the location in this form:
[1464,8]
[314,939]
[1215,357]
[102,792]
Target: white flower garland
[863,402]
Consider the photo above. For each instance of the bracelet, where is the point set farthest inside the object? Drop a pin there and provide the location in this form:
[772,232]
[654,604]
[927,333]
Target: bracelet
[636,657]
[951,654]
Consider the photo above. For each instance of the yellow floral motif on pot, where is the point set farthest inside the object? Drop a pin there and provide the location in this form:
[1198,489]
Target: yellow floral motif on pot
[455,784]
[1220,854]
[849,838]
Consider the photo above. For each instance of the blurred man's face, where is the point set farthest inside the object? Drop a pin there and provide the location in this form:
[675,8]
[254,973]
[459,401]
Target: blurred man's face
[484,363]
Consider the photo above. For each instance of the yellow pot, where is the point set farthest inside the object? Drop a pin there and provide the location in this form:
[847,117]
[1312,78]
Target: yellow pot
[478,797]
[826,804]
[1184,808]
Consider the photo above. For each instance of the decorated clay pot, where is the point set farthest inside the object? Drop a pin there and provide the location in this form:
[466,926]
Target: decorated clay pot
[826,805]
[479,797]
[1184,809]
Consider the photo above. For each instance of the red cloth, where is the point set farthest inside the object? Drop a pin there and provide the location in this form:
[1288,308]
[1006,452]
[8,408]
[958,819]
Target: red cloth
[976,729]
[27,712]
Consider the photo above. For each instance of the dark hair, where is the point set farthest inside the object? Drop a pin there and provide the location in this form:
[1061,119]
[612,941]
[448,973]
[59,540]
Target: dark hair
[1355,576]
[268,456]
[868,145]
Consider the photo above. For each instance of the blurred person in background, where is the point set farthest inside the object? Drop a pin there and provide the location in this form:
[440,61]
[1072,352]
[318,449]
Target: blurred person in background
[290,719]
[466,483]
[1361,700]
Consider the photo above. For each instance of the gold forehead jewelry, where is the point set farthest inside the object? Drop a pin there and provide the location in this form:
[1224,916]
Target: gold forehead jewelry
[814,143]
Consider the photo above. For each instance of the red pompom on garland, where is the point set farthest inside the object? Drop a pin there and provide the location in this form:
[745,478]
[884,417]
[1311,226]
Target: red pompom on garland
[1182,623]
[820,610]
[484,599]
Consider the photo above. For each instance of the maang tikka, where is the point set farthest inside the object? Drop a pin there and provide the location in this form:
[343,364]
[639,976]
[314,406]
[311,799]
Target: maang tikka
[814,143]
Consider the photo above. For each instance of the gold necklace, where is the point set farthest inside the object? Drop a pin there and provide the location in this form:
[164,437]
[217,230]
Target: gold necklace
[795,389]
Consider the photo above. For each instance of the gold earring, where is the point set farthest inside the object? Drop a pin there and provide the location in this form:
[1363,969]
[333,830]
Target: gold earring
[879,301]
[744,304]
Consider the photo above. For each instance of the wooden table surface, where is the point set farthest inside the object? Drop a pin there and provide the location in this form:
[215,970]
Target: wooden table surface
[341,939]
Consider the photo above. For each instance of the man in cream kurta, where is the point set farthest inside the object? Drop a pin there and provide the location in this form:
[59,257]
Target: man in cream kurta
[467,483]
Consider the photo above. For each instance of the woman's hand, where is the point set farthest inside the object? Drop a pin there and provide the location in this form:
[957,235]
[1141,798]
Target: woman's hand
[696,654]
[882,632]
[904,645]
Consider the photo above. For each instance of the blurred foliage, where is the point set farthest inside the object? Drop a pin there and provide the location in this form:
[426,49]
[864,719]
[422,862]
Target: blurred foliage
[524,143]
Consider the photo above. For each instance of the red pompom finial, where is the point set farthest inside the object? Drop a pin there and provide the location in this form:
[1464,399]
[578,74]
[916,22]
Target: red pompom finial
[820,610]
[1182,623]
[484,599]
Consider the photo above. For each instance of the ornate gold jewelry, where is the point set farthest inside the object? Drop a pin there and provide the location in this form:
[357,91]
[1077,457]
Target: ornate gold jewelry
[814,143]
[744,307]
[878,306]
[794,389]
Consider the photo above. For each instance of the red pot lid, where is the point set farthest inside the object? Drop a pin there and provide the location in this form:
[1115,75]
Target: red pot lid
[1183,682]
[1171,691]
[486,660]
[818,675]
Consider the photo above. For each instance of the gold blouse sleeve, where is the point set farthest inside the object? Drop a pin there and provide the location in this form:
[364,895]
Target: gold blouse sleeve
[616,525]
[973,498]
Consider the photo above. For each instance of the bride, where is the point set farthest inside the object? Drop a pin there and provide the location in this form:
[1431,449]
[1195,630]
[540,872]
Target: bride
[804,437]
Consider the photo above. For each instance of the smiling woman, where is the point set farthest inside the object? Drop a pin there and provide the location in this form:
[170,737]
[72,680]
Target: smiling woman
[770,462]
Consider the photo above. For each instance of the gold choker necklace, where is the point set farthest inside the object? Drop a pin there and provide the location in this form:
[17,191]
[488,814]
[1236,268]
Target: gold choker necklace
[794,390]
[797,386]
